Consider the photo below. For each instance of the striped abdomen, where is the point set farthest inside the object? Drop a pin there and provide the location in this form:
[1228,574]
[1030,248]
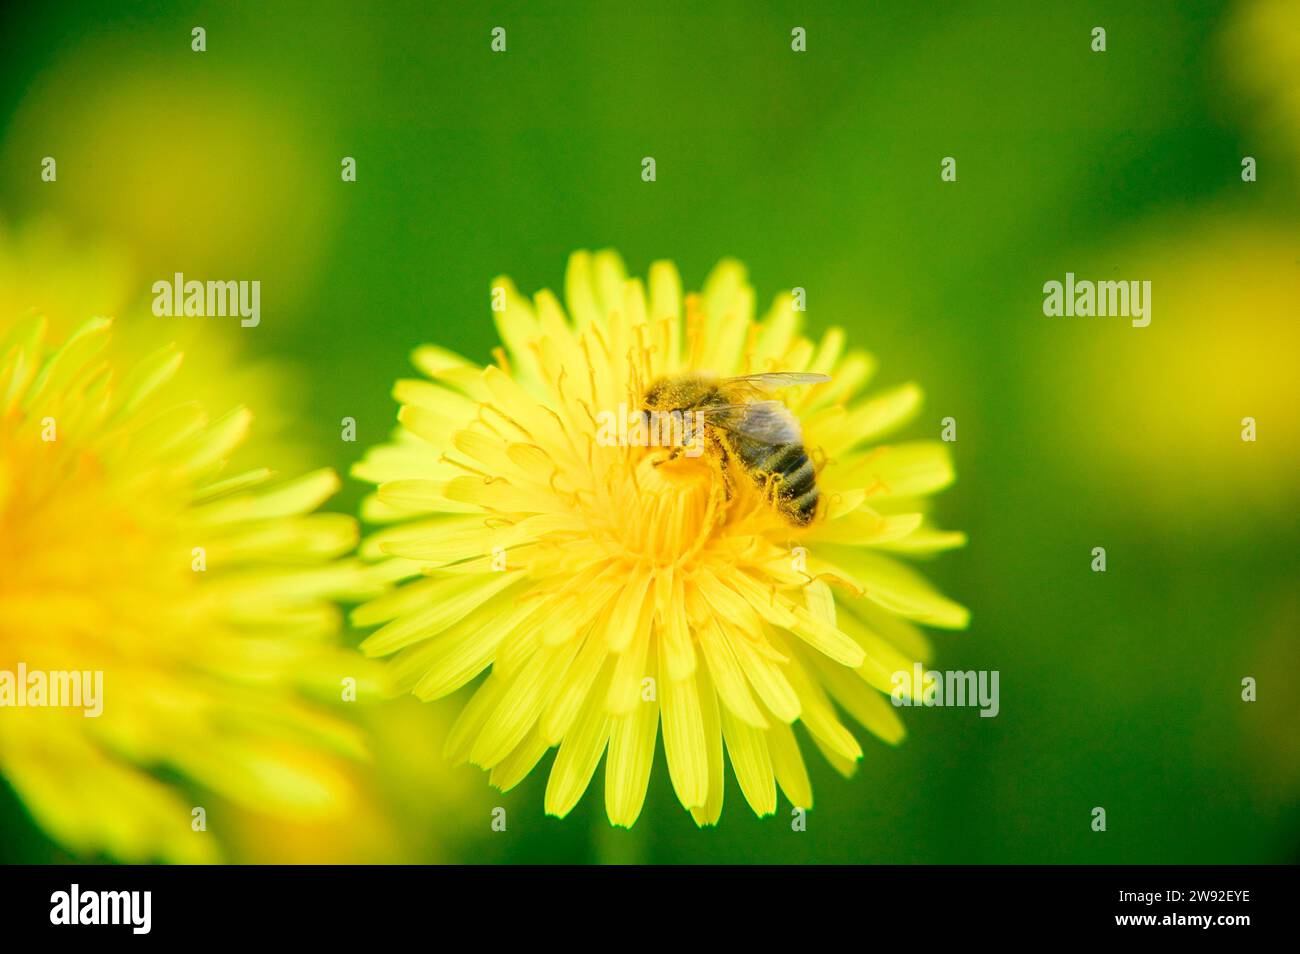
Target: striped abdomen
[796,479]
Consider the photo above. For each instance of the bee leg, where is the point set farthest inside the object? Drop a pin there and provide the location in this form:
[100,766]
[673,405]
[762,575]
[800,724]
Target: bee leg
[722,461]
[772,489]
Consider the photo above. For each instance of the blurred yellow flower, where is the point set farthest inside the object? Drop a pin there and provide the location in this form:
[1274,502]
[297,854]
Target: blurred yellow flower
[44,270]
[1174,398]
[610,596]
[218,188]
[410,810]
[204,597]
[1261,44]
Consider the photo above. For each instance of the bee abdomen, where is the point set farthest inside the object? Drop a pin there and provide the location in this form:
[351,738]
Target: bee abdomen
[804,507]
[797,491]
[799,481]
[783,459]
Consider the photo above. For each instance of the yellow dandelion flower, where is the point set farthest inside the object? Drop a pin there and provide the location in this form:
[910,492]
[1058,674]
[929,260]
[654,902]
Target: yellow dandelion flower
[203,599]
[47,269]
[614,589]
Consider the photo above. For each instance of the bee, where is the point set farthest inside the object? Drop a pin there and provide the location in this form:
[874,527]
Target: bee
[760,435]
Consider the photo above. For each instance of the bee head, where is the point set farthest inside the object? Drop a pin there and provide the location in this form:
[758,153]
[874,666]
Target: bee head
[657,396]
[676,393]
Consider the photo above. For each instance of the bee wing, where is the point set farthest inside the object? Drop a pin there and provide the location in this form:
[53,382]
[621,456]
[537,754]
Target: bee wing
[774,380]
[769,422]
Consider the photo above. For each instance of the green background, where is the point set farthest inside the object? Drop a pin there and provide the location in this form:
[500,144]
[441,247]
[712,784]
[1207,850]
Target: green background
[819,170]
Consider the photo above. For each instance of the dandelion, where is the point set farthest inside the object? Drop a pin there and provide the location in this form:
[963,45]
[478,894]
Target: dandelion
[610,593]
[48,269]
[204,597]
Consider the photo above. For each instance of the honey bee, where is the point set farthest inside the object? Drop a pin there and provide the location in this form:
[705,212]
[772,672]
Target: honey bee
[762,436]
